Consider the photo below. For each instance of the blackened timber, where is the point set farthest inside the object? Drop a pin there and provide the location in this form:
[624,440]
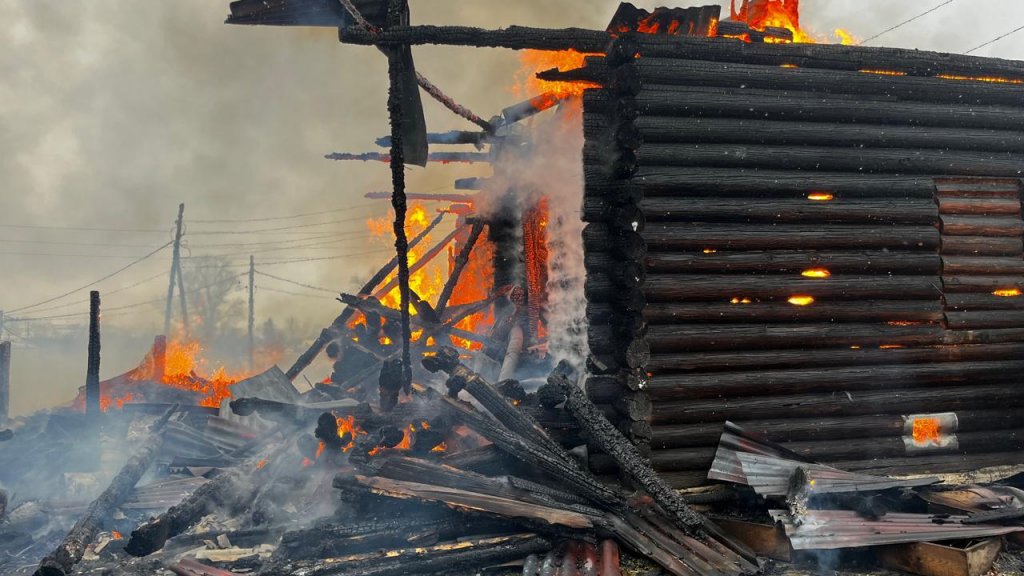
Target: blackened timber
[892,401]
[825,358]
[627,244]
[814,158]
[955,265]
[703,236]
[723,287]
[825,56]
[68,553]
[930,464]
[985,319]
[858,311]
[669,129]
[981,246]
[989,284]
[978,187]
[612,442]
[779,105]
[976,302]
[979,206]
[807,380]
[740,76]
[802,210]
[513,37]
[695,337]
[353,538]
[92,375]
[788,261]
[710,181]
[826,428]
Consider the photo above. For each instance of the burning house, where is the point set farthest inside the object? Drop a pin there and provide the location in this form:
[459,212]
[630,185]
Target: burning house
[772,282]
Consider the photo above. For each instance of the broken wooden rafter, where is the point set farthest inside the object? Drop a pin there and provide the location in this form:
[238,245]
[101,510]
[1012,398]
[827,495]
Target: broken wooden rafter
[513,37]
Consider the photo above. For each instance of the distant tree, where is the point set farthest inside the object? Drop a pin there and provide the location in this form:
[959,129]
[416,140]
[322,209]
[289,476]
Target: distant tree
[211,286]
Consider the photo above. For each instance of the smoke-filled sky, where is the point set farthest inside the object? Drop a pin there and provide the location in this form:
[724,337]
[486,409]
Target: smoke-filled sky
[113,112]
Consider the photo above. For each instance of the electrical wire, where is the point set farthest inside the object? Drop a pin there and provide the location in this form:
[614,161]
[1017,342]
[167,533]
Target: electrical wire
[317,296]
[84,229]
[300,284]
[55,255]
[291,217]
[105,293]
[91,284]
[996,39]
[905,22]
[284,228]
[99,244]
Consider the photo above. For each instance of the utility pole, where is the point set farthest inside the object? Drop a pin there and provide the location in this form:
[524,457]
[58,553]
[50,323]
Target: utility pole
[252,313]
[181,297]
[175,272]
[92,375]
[5,380]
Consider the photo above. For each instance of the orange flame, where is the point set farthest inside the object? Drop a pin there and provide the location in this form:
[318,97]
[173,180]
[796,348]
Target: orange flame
[116,535]
[534,61]
[761,14]
[927,431]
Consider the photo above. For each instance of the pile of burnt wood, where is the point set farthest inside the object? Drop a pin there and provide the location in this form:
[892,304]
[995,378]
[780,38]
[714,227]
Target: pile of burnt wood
[461,481]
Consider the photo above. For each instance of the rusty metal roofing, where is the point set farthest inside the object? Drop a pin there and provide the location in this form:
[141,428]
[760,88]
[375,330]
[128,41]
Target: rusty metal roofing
[772,476]
[832,529]
[726,465]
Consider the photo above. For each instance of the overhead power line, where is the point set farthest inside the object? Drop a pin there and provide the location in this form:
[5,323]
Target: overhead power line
[91,284]
[289,217]
[300,284]
[905,22]
[64,255]
[84,229]
[268,289]
[105,294]
[72,243]
[262,230]
[996,39]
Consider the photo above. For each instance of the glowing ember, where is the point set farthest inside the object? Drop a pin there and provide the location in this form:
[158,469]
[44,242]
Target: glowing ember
[992,79]
[820,197]
[261,464]
[116,535]
[347,426]
[1007,292]
[801,300]
[740,301]
[883,72]
[442,447]
[890,346]
[710,251]
[927,431]
[816,273]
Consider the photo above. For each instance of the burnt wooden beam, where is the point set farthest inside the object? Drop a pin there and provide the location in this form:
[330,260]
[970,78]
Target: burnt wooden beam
[513,37]
[788,261]
[785,105]
[696,337]
[723,287]
[935,398]
[784,210]
[92,377]
[977,302]
[676,236]
[772,312]
[461,261]
[742,76]
[71,549]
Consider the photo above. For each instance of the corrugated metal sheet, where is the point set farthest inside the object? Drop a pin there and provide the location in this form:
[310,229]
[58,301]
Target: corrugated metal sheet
[726,465]
[162,495]
[771,476]
[832,529]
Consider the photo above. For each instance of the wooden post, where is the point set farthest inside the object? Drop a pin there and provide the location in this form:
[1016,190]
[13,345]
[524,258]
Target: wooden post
[174,271]
[92,375]
[252,313]
[5,381]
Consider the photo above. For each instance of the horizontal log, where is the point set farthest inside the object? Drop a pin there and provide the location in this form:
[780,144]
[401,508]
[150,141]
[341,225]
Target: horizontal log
[819,158]
[513,37]
[953,265]
[812,380]
[931,463]
[971,302]
[601,288]
[681,480]
[802,210]
[984,336]
[724,287]
[828,56]
[1000,226]
[601,238]
[989,284]
[789,261]
[880,448]
[675,129]
[816,429]
[981,246]
[704,236]
[710,181]
[622,217]
[824,358]
[985,319]
[743,76]
[769,312]
[979,187]
[779,105]
[613,316]
[624,382]
[695,337]
[979,206]
[981,396]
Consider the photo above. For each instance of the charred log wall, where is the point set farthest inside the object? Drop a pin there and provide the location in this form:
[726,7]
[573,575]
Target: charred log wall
[814,242]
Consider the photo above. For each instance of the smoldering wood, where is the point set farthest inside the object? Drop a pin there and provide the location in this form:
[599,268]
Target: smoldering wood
[785,261]
[879,447]
[612,442]
[825,428]
[985,319]
[338,325]
[742,76]
[723,287]
[976,302]
[749,181]
[935,398]
[461,261]
[984,336]
[807,380]
[829,56]
[101,511]
[826,358]
[786,105]
[981,246]
[676,236]
[513,37]
[802,210]
[986,284]
[709,337]
[771,312]
[813,158]
[674,129]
